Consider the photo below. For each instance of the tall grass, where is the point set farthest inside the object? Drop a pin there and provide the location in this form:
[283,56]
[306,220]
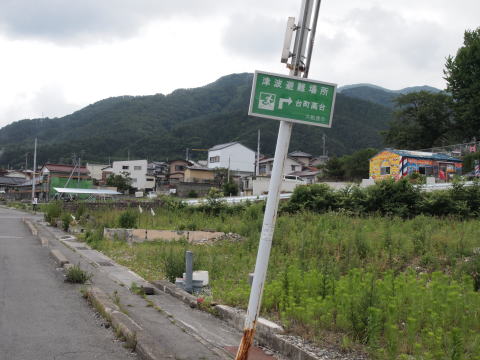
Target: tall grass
[404,288]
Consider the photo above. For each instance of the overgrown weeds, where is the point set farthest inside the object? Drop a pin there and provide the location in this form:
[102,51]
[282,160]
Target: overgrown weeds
[76,275]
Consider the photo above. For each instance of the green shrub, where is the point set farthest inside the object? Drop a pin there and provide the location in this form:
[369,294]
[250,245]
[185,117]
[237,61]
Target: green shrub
[81,210]
[192,194]
[52,212]
[230,188]
[317,198]
[94,237]
[174,264]
[76,275]
[172,203]
[214,204]
[128,219]
[66,219]
[393,198]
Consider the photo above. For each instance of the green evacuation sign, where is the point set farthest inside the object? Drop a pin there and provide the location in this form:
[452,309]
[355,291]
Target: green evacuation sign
[292,98]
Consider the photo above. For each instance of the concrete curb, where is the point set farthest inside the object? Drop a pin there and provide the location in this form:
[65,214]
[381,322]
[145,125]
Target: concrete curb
[268,333]
[59,258]
[136,338]
[234,317]
[31,226]
[126,326]
[169,288]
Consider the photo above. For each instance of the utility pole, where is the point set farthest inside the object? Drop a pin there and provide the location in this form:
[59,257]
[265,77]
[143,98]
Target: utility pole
[258,154]
[323,140]
[34,171]
[228,172]
[296,67]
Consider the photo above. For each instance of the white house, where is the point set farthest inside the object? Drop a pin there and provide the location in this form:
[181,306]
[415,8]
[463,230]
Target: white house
[137,171]
[291,165]
[233,156]
[96,170]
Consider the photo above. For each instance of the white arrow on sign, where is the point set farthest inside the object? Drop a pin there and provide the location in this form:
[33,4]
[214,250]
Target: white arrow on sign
[282,101]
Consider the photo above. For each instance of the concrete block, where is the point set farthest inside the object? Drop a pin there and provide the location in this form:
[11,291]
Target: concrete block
[59,258]
[236,318]
[43,240]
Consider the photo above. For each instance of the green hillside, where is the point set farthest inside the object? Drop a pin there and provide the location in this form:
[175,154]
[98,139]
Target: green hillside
[161,127]
[380,95]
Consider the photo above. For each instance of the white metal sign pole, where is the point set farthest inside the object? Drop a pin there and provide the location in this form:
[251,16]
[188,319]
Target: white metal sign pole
[276,178]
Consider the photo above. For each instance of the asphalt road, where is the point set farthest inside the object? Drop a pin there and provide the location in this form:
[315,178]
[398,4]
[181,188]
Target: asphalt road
[41,317]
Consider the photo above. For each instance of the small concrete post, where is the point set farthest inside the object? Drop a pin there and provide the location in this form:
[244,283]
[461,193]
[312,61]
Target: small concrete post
[188,271]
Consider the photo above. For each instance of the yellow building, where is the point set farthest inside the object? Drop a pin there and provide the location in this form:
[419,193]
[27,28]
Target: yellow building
[199,174]
[398,163]
[385,164]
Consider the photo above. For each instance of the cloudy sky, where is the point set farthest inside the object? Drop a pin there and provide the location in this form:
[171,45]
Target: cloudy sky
[58,56]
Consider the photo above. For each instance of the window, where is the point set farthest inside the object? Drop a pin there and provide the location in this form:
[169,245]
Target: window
[262,169]
[421,170]
[134,180]
[214,159]
[385,170]
[125,167]
[179,168]
[293,167]
[136,167]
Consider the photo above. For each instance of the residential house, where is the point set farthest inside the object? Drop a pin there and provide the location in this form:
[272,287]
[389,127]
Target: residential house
[106,172]
[233,156]
[10,183]
[319,160]
[291,165]
[61,175]
[96,171]
[400,163]
[159,170]
[137,171]
[199,174]
[302,157]
[176,171]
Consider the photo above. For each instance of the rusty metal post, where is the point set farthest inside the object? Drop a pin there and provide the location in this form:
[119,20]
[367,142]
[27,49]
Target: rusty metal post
[273,198]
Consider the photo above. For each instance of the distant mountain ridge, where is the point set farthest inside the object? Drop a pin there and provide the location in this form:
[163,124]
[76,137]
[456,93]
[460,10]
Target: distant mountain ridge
[161,127]
[406,90]
[381,95]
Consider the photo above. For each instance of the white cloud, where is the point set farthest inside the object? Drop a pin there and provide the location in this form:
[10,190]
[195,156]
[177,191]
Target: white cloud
[59,56]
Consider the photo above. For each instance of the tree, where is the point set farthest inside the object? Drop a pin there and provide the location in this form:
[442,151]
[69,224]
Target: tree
[462,74]
[422,120]
[333,169]
[122,183]
[357,165]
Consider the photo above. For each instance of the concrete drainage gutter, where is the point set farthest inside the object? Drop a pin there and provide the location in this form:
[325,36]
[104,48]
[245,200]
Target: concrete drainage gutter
[135,336]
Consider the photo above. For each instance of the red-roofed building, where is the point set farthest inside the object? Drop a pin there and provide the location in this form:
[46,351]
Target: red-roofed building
[61,175]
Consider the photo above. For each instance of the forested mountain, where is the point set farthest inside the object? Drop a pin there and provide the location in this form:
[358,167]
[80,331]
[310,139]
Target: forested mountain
[161,127]
[380,95]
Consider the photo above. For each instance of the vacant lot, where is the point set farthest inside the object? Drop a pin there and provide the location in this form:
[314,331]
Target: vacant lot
[396,288]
